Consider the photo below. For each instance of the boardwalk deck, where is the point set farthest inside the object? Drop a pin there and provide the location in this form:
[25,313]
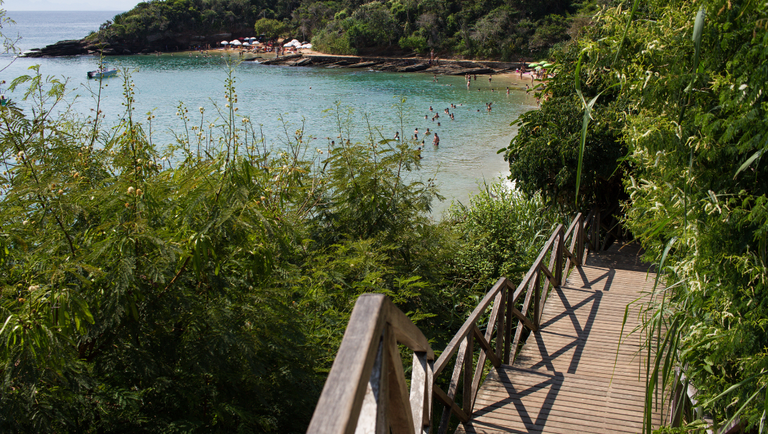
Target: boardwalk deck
[569,377]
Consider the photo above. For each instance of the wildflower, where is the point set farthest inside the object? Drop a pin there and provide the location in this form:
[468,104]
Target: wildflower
[130,190]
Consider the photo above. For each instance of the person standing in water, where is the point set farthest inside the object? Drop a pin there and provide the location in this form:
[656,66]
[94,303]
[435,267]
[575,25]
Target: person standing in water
[416,134]
[436,140]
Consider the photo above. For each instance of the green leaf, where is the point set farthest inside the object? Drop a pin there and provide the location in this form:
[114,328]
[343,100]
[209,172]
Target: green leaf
[749,161]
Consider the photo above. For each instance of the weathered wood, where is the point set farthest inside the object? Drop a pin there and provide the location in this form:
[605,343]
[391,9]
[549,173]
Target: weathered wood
[485,343]
[564,380]
[498,313]
[508,327]
[450,349]
[452,387]
[399,411]
[536,264]
[366,388]
[525,321]
[348,383]
[467,384]
[486,346]
[451,405]
[367,422]
[339,406]
[420,391]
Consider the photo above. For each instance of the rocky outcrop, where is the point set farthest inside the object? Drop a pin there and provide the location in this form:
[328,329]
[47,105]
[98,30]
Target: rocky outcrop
[61,48]
[401,64]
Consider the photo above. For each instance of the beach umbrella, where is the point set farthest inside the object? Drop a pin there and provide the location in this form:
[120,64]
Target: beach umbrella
[224,42]
[246,44]
[235,42]
[308,46]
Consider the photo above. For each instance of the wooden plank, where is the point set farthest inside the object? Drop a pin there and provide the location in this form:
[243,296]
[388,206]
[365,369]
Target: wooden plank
[399,413]
[467,386]
[419,387]
[369,412]
[338,408]
[580,330]
[450,405]
[523,318]
[536,264]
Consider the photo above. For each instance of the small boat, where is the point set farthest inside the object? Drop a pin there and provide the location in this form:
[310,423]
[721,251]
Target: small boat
[102,73]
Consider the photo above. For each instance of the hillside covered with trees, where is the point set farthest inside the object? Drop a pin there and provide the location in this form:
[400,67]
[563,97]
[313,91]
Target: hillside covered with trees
[494,29]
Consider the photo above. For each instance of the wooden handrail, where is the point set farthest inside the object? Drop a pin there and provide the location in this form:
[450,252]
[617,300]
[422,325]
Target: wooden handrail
[366,388]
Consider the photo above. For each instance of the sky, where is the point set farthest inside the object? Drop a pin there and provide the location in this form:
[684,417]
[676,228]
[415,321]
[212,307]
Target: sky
[69,5]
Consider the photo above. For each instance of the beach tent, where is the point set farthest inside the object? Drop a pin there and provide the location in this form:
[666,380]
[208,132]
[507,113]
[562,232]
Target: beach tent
[236,42]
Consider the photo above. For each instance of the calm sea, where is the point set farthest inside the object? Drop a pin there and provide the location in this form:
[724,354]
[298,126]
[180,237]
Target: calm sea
[284,99]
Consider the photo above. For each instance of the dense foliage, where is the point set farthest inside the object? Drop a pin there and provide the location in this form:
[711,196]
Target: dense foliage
[499,29]
[206,285]
[690,85]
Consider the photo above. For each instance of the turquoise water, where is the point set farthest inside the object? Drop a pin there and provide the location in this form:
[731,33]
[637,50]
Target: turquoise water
[300,96]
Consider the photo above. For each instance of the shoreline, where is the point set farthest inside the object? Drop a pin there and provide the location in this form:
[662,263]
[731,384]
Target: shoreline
[452,67]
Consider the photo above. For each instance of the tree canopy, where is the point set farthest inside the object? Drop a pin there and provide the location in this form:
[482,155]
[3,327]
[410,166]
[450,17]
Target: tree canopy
[497,29]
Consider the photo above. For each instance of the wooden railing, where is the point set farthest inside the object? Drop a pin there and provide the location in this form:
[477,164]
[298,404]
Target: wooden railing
[366,389]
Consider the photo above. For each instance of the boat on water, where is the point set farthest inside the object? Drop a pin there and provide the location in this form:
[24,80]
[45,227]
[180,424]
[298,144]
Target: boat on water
[102,73]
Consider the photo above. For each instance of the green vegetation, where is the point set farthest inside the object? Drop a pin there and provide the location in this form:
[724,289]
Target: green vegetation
[496,29]
[206,285]
[681,101]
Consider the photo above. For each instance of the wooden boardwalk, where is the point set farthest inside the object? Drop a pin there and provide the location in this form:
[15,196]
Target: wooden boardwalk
[569,377]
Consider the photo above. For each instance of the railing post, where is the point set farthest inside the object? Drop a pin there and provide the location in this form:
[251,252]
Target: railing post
[508,326]
[560,254]
[538,287]
[581,226]
[500,322]
[468,361]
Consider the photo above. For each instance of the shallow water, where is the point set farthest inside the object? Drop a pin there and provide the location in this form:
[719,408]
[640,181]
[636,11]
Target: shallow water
[300,95]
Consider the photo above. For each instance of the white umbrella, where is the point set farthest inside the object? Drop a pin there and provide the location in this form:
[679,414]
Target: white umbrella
[224,42]
[308,46]
[236,42]
[246,44]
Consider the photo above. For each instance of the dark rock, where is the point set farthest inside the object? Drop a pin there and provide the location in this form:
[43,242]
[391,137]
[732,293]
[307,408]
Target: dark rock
[61,48]
[364,64]
[414,68]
